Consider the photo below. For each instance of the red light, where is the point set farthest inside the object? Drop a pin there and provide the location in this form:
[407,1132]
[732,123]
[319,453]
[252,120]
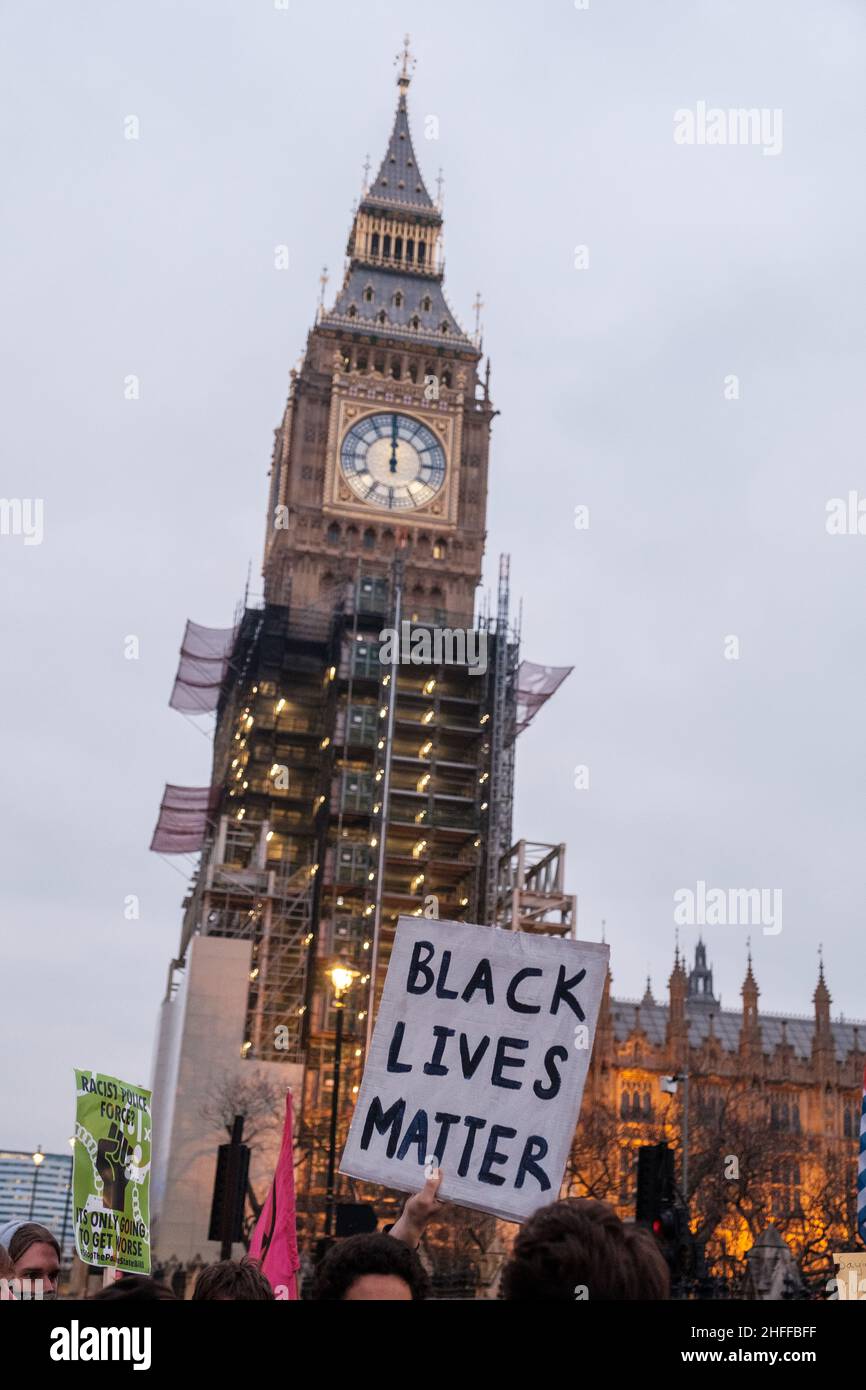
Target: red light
[657,1227]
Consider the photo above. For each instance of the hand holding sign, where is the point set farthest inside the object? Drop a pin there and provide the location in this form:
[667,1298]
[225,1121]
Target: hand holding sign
[474,1062]
[409,1226]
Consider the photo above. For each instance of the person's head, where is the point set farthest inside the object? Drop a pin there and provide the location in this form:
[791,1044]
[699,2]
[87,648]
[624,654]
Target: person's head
[35,1254]
[135,1288]
[579,1249]
[372,1268]
[233,1281]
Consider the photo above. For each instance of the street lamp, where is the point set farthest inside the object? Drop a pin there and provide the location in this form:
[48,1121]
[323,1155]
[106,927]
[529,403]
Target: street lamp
[38,1159]
[670,1085]
[342,978]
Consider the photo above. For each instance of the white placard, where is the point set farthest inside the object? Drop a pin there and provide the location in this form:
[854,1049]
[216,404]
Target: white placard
[477,1064]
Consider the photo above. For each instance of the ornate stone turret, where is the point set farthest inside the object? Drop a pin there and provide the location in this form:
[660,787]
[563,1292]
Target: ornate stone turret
[677,1033]
[823,1045]
[701,980]
[750,1031]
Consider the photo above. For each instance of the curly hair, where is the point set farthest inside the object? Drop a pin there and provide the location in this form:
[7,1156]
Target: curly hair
[581,1244]
[356,1256]
[235,1281]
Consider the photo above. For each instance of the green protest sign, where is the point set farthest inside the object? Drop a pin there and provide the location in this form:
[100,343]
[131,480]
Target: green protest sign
[111,1173]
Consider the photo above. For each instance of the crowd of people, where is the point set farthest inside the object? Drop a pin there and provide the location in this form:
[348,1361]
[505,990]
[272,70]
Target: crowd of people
[573,1249]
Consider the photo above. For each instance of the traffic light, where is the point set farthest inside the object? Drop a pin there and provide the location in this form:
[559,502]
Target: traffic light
[655,1182]
[659,1207]
[229,1195]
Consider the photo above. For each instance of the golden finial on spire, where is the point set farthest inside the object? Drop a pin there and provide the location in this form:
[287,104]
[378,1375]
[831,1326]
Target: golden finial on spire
[478,306]
[323,281]
[408,62]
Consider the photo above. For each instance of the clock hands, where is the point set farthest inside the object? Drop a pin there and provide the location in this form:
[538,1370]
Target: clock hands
[393,460]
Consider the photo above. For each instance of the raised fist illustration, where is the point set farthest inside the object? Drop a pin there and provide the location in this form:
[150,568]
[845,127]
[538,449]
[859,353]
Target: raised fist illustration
[112,1156]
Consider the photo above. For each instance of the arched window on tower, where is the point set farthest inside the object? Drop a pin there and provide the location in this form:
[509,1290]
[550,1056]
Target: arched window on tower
[383,317]
[368,294]
[624,1107]
[398,300]
[369,539]
[374,245]
[333,534]
[410,249]
[386,248]
[426,304]
[398,248]
[422,253]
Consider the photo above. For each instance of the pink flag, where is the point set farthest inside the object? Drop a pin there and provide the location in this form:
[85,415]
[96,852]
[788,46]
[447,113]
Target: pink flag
[275,1239]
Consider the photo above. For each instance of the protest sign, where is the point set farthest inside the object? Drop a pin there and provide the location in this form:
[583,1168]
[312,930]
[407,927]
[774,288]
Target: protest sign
[477,1064]
[111,1173]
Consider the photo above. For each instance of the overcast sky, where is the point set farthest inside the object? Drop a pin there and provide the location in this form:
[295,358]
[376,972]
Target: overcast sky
[155,257]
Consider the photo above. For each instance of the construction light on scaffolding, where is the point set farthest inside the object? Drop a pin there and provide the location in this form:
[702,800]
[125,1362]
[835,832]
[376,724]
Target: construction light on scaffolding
[430,686]
[383,712]
[269,836]
[325,743]
[425,749]
[281,705]
[422,782]
[332,672]
[419,849]
[485,718]
[429,716]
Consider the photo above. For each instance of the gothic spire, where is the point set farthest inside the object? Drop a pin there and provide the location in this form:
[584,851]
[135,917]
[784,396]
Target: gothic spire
[399,179]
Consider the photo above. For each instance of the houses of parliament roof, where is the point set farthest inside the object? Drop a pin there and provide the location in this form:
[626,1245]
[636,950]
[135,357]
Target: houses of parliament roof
[704,1015]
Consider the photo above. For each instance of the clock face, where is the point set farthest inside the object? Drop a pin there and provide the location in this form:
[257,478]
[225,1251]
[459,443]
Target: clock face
[393,461]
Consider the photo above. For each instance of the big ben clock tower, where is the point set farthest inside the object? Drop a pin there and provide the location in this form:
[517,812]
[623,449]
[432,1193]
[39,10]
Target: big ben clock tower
[347,787]
[384,441]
